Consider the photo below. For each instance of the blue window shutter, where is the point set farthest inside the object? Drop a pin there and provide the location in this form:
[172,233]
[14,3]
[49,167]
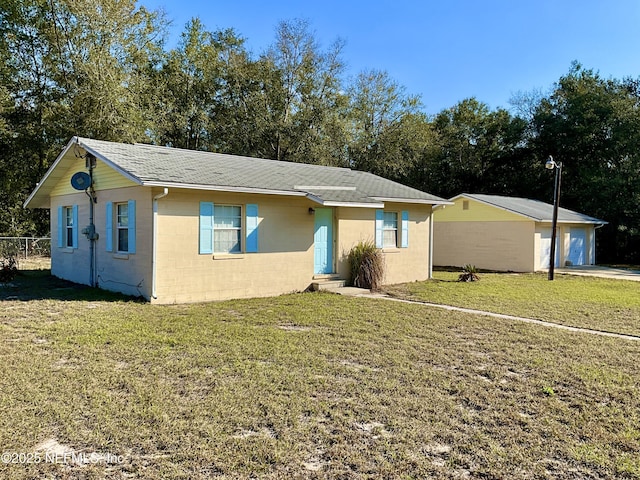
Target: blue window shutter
[252,228]
[61,219]
[109,227]
[206,227]
[405,229]
[74,229]
[379,228]
[132,225]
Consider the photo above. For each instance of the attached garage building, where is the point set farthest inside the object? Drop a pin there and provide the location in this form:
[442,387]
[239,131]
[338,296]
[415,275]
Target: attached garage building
[510,234]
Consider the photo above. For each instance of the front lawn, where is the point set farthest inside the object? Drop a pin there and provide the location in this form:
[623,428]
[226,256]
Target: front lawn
[598,303]
[306,386]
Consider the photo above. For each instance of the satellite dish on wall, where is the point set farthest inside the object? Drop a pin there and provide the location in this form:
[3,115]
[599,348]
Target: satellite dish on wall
[81,180]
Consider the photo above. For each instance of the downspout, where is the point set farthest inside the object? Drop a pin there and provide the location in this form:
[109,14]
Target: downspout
[90,163]
[92,238]
[154,246]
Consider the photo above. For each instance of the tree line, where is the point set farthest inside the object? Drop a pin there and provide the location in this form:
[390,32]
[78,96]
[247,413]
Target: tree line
[101,69]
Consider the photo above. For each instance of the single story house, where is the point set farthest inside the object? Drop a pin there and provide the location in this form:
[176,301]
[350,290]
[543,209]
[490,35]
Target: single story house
[175,225]
[510,234]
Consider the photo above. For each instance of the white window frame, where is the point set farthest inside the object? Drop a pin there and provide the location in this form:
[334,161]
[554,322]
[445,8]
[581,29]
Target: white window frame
[389,226]
[68,226]
[221,229]
[122,226]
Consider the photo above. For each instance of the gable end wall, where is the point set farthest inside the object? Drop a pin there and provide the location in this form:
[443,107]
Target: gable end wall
[129,274]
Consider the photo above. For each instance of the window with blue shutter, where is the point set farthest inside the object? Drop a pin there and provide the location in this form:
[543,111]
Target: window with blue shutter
[61,220]
[109,227]
[220,228]
[227,229]
[390,230]
[68,227]
[379,228]
[405,229]
[74,226]
[131,204]
[120,227]
[387,229]
[206,228]
[251,245]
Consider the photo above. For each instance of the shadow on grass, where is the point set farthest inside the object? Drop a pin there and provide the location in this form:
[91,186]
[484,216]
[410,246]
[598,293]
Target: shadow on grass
[41,285]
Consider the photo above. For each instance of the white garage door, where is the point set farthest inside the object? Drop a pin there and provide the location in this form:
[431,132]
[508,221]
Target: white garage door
[545,248]
[578,246]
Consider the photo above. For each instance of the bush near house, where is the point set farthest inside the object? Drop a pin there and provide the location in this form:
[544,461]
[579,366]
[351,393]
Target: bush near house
[367,266]
[8,262]
[8,268]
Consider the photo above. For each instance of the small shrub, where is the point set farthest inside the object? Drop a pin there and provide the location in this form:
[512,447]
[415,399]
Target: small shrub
[367,266]
[469,274]
[8,268]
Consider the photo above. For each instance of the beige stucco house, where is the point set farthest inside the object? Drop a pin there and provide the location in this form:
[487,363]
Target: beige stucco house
[175,225]
[510,234]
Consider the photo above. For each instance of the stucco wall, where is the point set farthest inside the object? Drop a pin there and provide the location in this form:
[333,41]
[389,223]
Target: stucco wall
[126,273]
[471,232]
[503,246]
[284,262]
[66,262]
[401,264]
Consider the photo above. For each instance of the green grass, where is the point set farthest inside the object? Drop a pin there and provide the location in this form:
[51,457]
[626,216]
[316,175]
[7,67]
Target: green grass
[603,304]
[308,386]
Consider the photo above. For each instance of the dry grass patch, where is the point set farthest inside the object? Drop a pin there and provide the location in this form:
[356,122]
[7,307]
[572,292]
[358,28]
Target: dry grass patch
[372,389]
[35,263]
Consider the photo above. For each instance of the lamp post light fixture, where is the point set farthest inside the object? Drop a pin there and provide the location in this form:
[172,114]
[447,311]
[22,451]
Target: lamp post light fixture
[551,164]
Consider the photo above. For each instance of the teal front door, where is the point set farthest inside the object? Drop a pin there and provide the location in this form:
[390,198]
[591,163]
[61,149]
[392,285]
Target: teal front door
[323,241]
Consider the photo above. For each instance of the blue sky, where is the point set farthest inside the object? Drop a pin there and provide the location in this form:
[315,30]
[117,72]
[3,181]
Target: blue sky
[445,50]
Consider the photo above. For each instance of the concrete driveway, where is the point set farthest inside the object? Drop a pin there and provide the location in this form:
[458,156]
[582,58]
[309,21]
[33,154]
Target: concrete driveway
[599,271]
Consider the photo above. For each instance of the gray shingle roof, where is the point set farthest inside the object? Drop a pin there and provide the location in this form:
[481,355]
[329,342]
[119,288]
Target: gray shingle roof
[534,209]
[164,166]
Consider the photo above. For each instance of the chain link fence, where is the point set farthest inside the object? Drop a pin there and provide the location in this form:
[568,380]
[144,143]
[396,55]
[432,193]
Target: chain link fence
[25,247]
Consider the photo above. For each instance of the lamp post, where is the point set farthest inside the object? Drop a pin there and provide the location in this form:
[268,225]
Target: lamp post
[551,164]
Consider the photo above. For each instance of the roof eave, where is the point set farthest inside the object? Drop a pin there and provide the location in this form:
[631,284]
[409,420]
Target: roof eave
[330,203]
[45,203]
[595,221]
[222,188]
[105,160]
[353,204]
[39,185]
[581,222]
[423,201]
[510,210]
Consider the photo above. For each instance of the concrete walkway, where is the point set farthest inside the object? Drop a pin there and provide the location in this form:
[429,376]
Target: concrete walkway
[599,271]
[361,292]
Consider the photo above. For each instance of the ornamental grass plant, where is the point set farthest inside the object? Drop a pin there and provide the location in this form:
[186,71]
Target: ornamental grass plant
[366,264]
